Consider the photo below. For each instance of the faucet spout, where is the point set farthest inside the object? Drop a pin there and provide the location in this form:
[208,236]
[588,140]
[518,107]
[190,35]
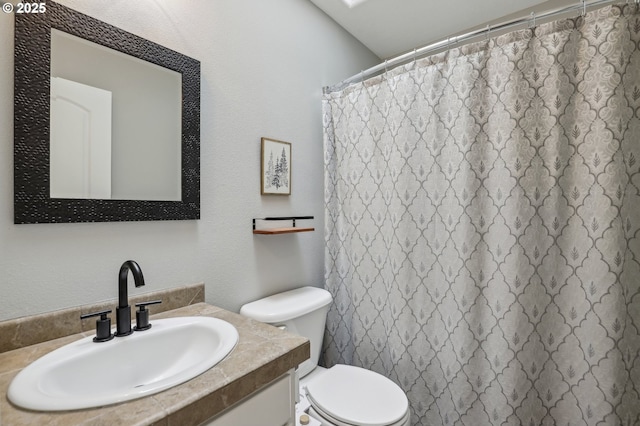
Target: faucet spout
[138,278]
[123,312]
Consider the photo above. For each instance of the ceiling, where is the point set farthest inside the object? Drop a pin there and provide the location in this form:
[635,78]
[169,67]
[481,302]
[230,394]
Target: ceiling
[392,27]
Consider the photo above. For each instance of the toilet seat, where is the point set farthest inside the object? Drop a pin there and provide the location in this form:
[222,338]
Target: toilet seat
[324,418]
[348,395]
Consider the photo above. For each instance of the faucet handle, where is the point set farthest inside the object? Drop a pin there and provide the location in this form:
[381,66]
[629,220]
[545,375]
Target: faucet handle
[142,315]
[103,325]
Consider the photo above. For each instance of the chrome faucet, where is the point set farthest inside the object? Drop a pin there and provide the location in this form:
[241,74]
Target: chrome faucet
[123,312]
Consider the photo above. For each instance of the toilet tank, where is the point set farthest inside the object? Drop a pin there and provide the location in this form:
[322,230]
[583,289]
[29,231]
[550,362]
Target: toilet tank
[302,311]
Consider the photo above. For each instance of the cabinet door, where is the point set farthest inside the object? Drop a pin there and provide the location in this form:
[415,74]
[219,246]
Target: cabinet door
[273,405]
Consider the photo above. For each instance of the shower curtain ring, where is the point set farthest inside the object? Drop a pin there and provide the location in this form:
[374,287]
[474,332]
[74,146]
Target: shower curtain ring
[415,55]
[584,8]
[533,20]
[487,34]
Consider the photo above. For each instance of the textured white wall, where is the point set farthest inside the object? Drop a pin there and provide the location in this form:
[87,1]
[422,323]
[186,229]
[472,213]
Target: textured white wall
[263,66]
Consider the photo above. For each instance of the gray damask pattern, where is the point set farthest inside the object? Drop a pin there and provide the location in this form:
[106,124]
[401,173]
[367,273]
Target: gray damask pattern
[483,226]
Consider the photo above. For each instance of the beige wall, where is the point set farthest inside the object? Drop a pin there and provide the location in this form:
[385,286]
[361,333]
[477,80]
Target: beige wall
[263,67]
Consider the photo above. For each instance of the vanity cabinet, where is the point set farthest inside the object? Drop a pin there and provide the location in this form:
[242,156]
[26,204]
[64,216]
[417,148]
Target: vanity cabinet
[254,385]
[272,405]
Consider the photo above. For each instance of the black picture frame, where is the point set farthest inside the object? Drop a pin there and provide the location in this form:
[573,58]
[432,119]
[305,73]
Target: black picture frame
[32,203]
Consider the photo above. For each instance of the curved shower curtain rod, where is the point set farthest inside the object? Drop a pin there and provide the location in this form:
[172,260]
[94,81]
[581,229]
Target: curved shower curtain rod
[450,41]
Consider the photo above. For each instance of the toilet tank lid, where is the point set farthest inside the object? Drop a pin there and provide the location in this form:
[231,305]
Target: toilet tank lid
[287,305]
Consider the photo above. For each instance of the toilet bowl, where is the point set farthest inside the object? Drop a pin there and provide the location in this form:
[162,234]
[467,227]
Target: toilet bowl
[342,395]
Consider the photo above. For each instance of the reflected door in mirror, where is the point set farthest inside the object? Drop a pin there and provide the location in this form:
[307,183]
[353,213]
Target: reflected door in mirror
[80,140]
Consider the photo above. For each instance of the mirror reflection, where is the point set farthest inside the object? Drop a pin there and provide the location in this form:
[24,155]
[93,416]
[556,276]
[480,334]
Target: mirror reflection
[116,124]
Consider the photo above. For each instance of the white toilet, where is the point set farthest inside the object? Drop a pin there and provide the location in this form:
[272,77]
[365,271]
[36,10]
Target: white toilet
[342,395]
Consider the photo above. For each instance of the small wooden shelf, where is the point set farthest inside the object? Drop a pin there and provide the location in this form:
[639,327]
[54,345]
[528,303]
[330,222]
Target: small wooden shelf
[274,231]
[282,230]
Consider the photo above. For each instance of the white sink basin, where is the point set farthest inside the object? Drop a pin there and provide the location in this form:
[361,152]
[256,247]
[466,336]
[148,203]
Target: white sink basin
[86,374]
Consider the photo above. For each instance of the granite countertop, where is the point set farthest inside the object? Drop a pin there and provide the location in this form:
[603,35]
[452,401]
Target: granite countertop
[263,353]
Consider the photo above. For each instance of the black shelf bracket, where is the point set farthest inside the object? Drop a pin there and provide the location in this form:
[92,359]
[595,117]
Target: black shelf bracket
[291,218]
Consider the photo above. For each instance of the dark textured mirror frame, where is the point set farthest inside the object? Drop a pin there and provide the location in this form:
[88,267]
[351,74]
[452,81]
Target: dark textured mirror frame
[32,203]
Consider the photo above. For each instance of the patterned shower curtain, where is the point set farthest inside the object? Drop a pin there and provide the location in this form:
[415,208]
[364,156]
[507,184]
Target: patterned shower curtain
[483,226]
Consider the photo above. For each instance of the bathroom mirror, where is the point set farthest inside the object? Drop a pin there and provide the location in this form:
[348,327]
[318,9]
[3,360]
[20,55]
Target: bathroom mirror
[108,111]
[141,170]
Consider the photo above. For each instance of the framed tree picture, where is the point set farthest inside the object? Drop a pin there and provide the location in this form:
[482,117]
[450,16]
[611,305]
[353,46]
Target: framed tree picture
[275,171]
